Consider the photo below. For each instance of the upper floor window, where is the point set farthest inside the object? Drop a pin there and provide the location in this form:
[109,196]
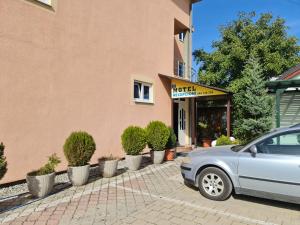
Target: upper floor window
[180,69]
[181,36]
[143,92]
[46,2]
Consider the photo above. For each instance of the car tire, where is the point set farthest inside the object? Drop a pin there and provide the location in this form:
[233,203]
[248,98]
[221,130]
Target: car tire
[214,184]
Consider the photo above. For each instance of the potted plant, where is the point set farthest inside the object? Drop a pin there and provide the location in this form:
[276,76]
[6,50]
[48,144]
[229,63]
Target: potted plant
[41,181]
[205,133]
[157,136]
[108,166]
[79,149]
[225,140]
[170,146]
[133,142]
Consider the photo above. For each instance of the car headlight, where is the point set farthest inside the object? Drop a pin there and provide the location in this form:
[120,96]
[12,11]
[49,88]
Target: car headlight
[187,160]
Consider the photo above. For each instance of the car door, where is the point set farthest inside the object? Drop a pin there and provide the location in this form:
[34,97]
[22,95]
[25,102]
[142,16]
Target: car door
[275,169]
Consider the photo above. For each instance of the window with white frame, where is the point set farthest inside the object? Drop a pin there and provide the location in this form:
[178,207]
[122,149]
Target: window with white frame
[180,69]
[181,36]
[142,92]
[46,2]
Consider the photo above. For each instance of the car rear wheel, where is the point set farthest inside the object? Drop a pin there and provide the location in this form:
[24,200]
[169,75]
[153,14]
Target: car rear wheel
[214,184]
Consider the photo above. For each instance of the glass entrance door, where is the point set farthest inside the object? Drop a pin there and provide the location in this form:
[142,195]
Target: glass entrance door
[181,123]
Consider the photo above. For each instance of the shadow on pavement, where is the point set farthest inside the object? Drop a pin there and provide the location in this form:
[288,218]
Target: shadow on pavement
[263,201]
[20,200]
[268,202]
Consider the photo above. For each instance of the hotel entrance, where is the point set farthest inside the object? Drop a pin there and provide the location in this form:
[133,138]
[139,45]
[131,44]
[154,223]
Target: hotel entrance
[200,113]
[180,121]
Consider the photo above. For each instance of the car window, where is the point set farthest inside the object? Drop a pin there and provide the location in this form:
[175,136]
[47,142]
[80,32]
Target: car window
[283,144]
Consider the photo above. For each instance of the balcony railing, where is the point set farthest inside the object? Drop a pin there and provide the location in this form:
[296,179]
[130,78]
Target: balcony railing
[186,73]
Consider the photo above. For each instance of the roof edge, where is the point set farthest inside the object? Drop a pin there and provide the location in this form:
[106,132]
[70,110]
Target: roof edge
[188,81]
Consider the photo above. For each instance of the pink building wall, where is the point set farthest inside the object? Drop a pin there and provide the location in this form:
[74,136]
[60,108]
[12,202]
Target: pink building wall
[72,69]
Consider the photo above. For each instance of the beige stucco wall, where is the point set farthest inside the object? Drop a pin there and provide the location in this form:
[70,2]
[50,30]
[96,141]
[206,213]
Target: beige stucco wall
[72,69]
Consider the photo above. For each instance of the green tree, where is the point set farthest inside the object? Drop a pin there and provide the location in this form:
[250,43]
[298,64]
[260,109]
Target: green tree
[253,106]
[264,37]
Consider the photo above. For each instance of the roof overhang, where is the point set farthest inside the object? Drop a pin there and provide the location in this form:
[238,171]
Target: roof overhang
[282,84]
[182,88]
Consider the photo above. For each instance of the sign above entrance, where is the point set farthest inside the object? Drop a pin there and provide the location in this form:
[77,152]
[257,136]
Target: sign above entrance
[184,89]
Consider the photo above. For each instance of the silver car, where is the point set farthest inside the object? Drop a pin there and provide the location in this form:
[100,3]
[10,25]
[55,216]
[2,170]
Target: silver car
[268,167]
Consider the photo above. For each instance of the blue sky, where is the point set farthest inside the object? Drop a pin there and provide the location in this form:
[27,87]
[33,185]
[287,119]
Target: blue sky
[209,15]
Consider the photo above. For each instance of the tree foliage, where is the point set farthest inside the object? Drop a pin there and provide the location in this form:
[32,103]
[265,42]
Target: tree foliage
[264,37]
[253,106]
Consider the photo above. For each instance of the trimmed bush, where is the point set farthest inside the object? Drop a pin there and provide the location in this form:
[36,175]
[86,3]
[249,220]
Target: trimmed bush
[3,163]
[48,168]
[133,140]
[157,135]
[172,139]
[79,148]
[223,140]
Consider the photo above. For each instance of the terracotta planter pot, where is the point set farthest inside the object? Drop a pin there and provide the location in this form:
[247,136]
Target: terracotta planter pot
[157,156]
[170,154]
[40,186]
[79,175]
[206,142]
[108,168]
[133,161]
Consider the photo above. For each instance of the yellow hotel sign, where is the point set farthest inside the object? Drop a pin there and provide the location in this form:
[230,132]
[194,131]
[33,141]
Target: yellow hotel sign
[183,89]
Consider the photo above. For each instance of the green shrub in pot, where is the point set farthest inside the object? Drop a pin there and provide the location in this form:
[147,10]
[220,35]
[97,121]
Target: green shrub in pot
[224,140]
[133,142]
[40,182]
[157,137]
[79,149]
[171,145]
[3,163]
[48,168]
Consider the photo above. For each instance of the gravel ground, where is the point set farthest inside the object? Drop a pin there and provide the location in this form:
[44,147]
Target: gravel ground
[61,181]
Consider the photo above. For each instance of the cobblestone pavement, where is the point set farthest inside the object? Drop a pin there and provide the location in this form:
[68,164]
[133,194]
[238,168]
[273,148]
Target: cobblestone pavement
[153,195]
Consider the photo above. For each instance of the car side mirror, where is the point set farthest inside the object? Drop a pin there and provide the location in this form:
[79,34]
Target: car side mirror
[253,150]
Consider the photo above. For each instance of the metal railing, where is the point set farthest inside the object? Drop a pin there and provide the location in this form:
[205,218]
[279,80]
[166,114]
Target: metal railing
[188,73]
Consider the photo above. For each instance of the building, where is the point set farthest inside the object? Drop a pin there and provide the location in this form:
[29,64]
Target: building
[286,90]
[97,66]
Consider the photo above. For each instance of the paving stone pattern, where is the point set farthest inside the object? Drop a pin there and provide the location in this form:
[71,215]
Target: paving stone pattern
[153,195]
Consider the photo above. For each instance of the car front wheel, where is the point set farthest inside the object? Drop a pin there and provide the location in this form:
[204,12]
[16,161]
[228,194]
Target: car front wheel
[214,184]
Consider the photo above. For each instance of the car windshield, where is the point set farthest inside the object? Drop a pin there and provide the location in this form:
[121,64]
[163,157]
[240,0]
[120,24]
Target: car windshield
[237,148]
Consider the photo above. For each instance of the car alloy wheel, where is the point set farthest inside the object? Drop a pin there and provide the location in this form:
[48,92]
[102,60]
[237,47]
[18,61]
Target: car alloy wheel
[214,184]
